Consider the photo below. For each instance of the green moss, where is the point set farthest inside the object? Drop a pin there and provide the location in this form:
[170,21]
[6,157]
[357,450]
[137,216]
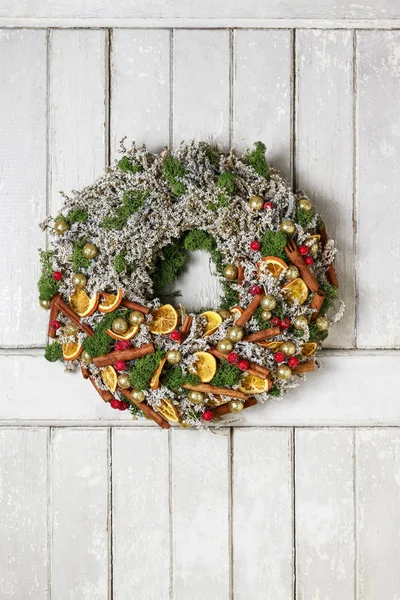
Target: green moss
[132,201]
[100,343]
[273,244]
[316,335]
[298,333]
[230,297]
[256,159]
[143,369]
[128,166]
[174,379]
[169,265]
[120,264]
[226,182]
[211,154]
[53,352]
[174,171]
[77,215]
[227,375]
[331,294]
[198,239]
[46,285]
[79,261]
[222,202]
[304,217]
[274,392]
[262,323]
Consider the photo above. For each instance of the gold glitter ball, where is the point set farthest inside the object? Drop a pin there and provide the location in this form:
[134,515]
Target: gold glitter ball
[119,325]
[268,302]
[195,397]
[235,334]
[230,272]
[173,357]
[284,372]
[123,381]
[136,318]
[287,227]
[79,280]
[89,251]
[225,346]
[236,405]
[256,203]
[61,227]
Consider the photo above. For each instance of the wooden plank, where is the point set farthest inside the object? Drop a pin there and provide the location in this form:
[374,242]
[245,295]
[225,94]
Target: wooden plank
[80,518]
[325,546]
[140,514]
[378,187]
[77,110]
[378,490]
[324,151]
[23,513]
[262,537]
[200,515]
[262,93]
[23,184]
[140,95]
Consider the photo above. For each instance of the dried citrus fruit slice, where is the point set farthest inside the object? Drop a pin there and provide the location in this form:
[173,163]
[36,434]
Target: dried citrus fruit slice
[205,367]
[295,290]
[273,346]
[213,319]
[250,384]
[82,304]
[110,302]
[109,376]
[155,380]
[128,335]
[236,311]
[308,348]
[165,319]
[272,265]
[71,350]
[168,410]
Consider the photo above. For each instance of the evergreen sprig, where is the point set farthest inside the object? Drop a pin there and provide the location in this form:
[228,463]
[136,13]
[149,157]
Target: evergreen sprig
[256,159]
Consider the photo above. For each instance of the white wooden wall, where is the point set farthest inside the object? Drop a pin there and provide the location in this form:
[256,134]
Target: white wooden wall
[300,501]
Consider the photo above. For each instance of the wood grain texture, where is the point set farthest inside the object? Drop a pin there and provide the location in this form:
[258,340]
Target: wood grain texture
[140,94]
[378,187]
[262,514]
[378,500]
[141,514]
[23,514]
[200,515]
[325,545]
[262,93]
[77,113]
[324,151]
[80,514]
[22,184]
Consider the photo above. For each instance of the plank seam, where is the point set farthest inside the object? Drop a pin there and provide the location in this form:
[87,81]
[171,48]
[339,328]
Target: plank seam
[171,88]
[170,524]
[231,84]
[108,95]
[230,511]
[110,492]
[294,549]
[293,111]
[356,516]
[49,516]
[355,196]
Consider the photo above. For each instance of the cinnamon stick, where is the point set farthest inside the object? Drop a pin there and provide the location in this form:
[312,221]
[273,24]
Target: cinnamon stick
[249,311]
[259,336]
[305,367]
[129,304]
[112,357]
[105,394]
[72,315]
[324,236]
[224,408]
[317,302]
[52,317]
[254,369]
[146,410]
[213,389]
[85,372]
[187,323]
[240,269]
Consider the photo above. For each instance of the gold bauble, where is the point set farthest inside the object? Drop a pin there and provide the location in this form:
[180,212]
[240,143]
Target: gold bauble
[225,314]
[300,322]
[322,323]
[288,348]
[256,203]
[283,372]
[61,227]
[89,251]
[230,272]
[136,318]
[124,381]
[287,227]
[291,272]
[119,325]
[79,280]
[184,424]
[266,315]
[305,204]
[225,346]
[85,356]
[236,406]
[138,395]
[45,304]
[235,334]
[71,329]
[314,248]
[268,302]
[173,357]
[195,397]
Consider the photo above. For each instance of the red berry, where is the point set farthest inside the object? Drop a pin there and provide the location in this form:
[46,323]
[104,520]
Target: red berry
[255,245]
[207,415]
[55,325]
[268,205]
[243,364]
[293,361]
[255,290]
[309,260]
[175,335]
[276,322]
[57,275]
[123,345]
[233,357]
[118,346]
[120,365]
[279,357]
[123,406]
[115,403]
[285,323]
[303,250]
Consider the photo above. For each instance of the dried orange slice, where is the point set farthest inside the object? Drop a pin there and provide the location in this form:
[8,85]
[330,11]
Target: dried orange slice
[295,290]
[272,265]
[168,410]
[165,319]
[82,304]
[273,346]
[111,302]
[155,380]
[236,311]
[205,367]
[250,384]
[109,376]
[71,350]
[213,319]
[308,348]
[128,335]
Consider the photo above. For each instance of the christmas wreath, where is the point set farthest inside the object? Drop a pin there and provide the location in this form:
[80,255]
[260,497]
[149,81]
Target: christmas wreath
[119,243]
